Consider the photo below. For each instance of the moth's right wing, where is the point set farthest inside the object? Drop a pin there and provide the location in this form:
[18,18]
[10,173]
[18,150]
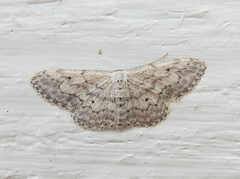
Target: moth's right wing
[170,80]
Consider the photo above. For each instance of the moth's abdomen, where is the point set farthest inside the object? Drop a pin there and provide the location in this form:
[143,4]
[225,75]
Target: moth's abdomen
[121,97]
[121,101]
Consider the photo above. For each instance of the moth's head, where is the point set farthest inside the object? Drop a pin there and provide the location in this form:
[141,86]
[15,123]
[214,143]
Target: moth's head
[119,77]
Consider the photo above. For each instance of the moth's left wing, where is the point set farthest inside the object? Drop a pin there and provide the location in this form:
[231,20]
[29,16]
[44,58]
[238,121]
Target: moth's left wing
[69,89]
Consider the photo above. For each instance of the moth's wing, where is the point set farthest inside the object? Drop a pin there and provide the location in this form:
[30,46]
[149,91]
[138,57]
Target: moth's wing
[171,79]
[88,95]
[99,111]
[68,89]
[152,87]
[145,108]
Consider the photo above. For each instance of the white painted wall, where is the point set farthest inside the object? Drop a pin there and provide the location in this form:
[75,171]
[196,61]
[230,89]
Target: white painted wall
[200,138]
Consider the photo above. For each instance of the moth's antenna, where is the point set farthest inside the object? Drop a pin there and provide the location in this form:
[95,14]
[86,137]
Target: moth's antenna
[147,66]
[159,58]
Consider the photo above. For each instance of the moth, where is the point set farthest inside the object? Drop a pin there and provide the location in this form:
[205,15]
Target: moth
[120,98]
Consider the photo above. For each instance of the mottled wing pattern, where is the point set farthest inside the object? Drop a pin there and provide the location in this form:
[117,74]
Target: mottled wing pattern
[69,89]
[146,108]
[169,80]
[99,111]
[152,87]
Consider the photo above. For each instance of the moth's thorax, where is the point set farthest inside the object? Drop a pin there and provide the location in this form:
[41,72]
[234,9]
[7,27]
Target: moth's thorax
[121,93]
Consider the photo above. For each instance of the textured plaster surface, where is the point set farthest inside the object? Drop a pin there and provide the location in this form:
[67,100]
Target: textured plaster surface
[199,139]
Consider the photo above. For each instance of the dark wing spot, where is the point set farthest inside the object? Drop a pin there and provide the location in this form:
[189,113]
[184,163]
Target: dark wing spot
[69,78]
[168,69]
[92,101]
[146,99]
